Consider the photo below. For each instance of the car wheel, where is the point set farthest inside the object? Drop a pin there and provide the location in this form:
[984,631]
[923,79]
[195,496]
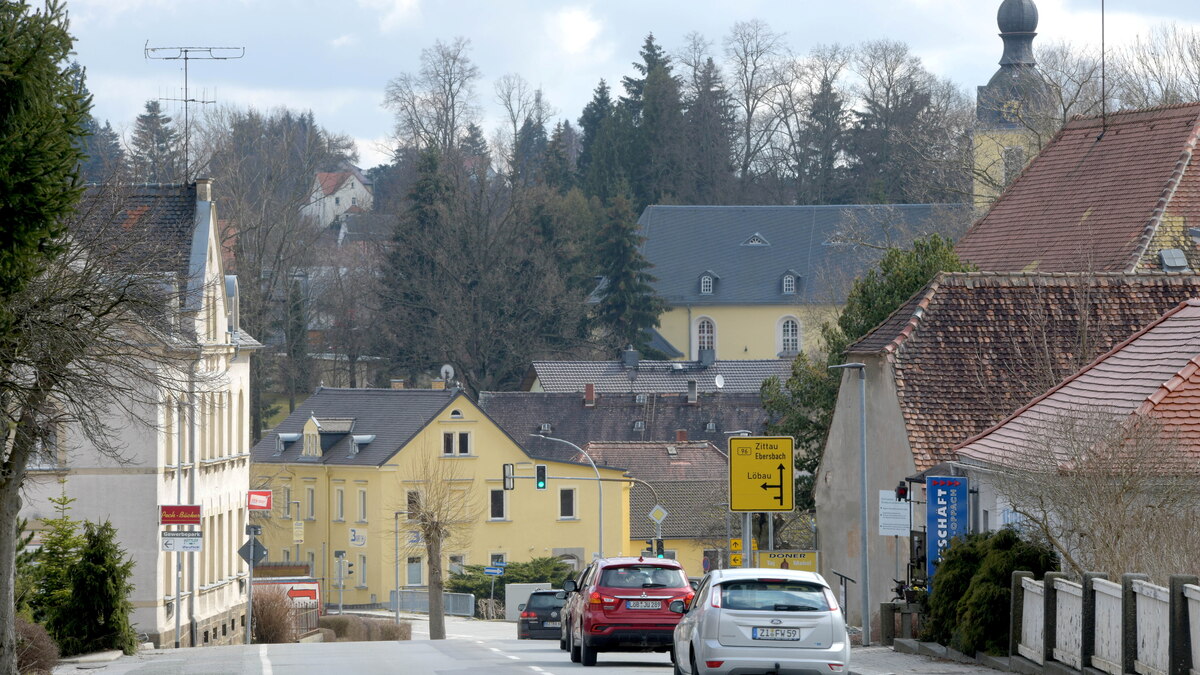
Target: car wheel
[587,655]
[695,670]
[562,642]
[675,669]
[573,648]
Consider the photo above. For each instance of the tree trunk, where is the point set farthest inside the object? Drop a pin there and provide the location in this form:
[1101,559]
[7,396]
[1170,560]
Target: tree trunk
[12,476]
[437,605]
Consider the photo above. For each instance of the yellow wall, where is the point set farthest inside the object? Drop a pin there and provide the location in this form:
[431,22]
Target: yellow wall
[532,529]
[989,164]
[744,331]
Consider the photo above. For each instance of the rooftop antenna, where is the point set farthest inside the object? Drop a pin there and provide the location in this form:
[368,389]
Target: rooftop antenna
[1103,79]
[187,54]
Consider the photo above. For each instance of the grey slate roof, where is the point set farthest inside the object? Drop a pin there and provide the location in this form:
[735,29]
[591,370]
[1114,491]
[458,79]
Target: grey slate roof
[682,242]
[394,416]
[163,216]
[612,377]
[613,416]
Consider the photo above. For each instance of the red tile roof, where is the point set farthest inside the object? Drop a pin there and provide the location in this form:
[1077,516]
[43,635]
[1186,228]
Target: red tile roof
[1156,372]
[330,182]
[973,347]
[1097,198]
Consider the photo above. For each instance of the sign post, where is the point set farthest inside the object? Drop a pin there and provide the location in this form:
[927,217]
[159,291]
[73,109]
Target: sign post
[762,478]
[251,552]
[178,514]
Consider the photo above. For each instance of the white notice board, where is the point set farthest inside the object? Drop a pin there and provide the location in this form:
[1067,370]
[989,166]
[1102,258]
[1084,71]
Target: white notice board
[894,517]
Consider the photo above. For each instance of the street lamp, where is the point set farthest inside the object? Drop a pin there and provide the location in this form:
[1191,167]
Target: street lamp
[599,488]
[864,569]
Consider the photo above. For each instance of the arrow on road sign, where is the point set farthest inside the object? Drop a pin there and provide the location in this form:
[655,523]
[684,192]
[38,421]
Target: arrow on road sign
[778,486]
[310,593]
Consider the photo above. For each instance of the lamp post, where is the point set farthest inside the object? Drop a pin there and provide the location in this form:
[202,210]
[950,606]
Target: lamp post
[599,489]
[297,519]
[864,568]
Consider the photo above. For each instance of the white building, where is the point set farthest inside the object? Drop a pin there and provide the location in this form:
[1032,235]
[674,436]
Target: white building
[337,193]
[197,453]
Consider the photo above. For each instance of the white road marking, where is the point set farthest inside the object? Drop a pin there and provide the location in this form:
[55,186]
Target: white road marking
[262,657]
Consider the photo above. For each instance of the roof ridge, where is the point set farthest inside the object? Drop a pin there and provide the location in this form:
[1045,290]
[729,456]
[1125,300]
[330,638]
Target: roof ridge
[1134,111]
[1172,385]
[1074,376]
[918,313]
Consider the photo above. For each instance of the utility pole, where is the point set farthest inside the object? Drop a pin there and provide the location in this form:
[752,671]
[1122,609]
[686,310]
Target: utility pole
[187,54]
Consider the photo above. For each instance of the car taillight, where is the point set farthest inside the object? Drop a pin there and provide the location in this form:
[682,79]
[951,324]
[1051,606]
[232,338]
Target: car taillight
[528,615]
[596,599]
[687,599]
[713,664]
[716,596]
[837,667]
[832,600]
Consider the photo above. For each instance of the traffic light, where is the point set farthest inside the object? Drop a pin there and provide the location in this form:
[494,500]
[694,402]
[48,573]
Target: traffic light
[659,551]
[539,480]
[508,477]
[650,546]
[349,568]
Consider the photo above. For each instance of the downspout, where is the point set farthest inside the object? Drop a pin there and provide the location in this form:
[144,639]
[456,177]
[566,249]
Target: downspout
[691,355]
[192,632]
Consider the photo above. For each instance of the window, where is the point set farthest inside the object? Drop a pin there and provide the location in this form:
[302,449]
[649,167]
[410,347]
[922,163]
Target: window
[789,336]
[457,561]
[789,284]
[456,443]
[706,334]
[498,558]
[339,504]
[456,414]
[639,425]
[362,506]
[311,494]
[337,201]
[706,285]
[497,510]
[566,504]
[362,571]
[287,502]
[414,571]
[354,201]
[414,504]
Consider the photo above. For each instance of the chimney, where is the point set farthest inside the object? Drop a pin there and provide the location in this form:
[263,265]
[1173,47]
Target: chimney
[629,358]
[692,396]
[589,395]
[681,435]
[397,384]
[439,383]
[204,189]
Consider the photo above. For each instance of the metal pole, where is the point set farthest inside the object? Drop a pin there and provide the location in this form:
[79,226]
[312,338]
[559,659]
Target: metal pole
[250,595]
[396,566]
[341,583]
[747,539]
[862,455]
[599,489]
[770,531]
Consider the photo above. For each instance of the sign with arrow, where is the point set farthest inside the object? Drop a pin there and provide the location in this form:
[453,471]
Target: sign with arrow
[762,473]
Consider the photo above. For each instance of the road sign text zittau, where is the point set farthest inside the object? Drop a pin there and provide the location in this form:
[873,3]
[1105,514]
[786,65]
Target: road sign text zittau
[761,473]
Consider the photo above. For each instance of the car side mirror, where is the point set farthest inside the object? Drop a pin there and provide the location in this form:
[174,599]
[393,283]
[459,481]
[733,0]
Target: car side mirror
[570,586]
[521,607]
[678,606]
[561,595]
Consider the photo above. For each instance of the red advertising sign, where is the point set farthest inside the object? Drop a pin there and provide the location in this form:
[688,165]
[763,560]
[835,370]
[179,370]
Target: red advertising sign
[258,500]
[179,514]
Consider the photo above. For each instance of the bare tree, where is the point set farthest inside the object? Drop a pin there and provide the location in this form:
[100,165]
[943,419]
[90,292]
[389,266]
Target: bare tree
[1162,68]
[344,305]
[1109,492]
[441,504]
[757,57]
[434,105]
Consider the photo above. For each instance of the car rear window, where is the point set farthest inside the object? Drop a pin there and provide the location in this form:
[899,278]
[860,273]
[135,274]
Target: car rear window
[544,601]
[773,595]
[643,576]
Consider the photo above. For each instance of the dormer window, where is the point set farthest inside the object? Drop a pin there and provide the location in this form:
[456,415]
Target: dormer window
[456,414]
[710,427]
[756,239]
[639,398]
[545,428]
[789,284]
[706,285]
[639,425]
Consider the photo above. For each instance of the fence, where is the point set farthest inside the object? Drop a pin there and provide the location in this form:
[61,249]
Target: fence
[457,604]
[1099,625]
[306,619]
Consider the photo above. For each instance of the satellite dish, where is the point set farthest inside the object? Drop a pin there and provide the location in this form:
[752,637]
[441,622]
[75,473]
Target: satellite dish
[719,380]
[447,372]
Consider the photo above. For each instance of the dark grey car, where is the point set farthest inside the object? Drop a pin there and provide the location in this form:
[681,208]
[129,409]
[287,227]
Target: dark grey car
[541,617]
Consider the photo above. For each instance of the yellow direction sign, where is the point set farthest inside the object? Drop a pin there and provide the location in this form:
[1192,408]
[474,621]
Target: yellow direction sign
[761,473]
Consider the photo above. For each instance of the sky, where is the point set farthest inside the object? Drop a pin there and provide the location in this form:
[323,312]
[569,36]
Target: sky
[335,57]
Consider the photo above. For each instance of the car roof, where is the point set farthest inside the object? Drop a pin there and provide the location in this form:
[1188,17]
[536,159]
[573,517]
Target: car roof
[738,573]
[639,560]
[552,591]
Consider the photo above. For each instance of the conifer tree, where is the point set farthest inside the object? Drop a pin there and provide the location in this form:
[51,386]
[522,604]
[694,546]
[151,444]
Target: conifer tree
[155,153]
[60,549]
[95,616]
[628,307]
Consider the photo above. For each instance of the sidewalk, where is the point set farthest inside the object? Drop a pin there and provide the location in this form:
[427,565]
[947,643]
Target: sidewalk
[879,660]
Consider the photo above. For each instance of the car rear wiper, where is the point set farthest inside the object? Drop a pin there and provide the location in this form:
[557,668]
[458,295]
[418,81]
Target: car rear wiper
[795,608]
[649,584]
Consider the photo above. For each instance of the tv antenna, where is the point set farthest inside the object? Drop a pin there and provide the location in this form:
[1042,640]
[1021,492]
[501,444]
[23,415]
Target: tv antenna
[187,54]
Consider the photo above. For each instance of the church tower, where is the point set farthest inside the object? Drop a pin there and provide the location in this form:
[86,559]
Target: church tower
[1011,108]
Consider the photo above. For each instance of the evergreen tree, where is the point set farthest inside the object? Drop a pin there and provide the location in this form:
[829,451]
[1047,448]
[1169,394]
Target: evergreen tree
[105,161]
[628,307]
[606,175]
[559,161]
[156,153]
[825,141]
[660,148]
[473,144]
[60,550]
[95,616]
[708,128]
[529,152]
[653,57]
[597,110]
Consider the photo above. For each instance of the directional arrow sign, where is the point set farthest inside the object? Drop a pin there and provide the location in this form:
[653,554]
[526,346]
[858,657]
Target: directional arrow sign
[761,473]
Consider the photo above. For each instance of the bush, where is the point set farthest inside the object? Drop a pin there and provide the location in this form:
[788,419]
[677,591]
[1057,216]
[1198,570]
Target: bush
[347,627]
[393,631]
[972,590]
[96,615]
[274,618]
[327,635]
[548,570]
[352,628]
[36,652]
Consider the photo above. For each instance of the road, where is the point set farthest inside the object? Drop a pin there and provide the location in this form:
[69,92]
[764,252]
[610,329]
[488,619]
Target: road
[472,647]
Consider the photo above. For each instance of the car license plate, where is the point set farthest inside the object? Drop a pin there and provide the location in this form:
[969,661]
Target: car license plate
[551,624]
[776,634]
[643,604]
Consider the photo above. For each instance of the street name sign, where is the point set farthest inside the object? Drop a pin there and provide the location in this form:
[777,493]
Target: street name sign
[182,541]
[493,571]
[762,473]
[297,531]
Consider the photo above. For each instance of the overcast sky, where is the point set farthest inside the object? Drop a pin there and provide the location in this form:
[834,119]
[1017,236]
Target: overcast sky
[335,57]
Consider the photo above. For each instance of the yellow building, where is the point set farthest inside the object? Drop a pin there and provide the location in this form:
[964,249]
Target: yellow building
[756,282]
[351,466]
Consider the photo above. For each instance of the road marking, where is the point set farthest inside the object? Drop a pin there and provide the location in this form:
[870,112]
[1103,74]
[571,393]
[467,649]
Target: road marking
[262,657]
[514,658]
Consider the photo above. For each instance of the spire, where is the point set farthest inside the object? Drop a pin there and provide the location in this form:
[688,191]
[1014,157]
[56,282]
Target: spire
[1017,87]
[1018,20]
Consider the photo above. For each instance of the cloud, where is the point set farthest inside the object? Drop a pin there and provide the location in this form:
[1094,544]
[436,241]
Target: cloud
[573,29]
[394,13]
[347,40]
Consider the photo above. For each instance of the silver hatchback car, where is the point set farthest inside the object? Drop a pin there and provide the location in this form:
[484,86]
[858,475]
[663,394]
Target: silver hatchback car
[759,620]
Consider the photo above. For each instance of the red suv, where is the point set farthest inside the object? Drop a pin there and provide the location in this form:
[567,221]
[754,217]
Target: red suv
[621,605]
